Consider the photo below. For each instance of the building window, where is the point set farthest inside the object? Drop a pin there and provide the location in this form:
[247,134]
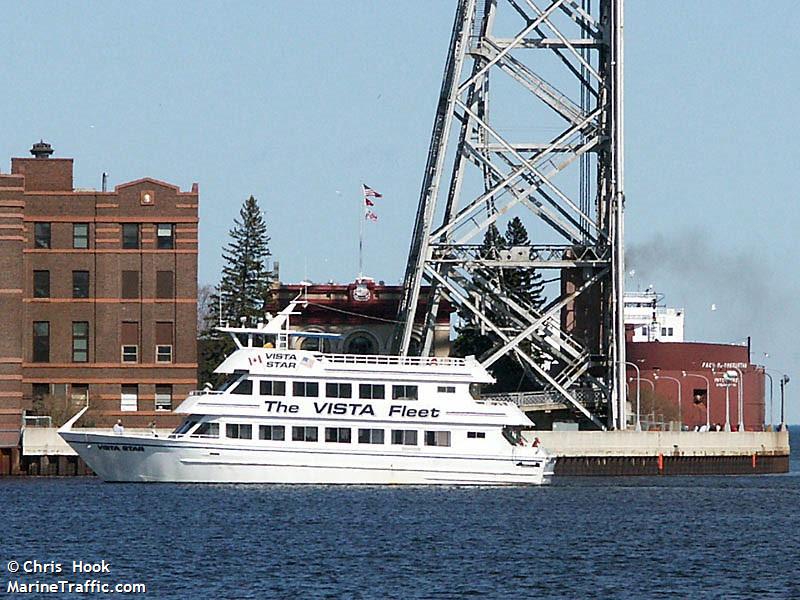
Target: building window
[476,434]
[308,389]
[371,391]
[80,235]
[165,284]
[41,284]
[238,431]
[79,393]
[370,436]
[340,435]
[129,398]
[437,438]
[80,284]
[404,437]
[163,397]
[338,390]
[272,388]
[40,390]
[41,341]
[446,389]
[244,388]
[130,284]
[404,392]
[275,433]
[129,339]
[164,341]
[80,341]
[361,344]
[207,430]
[304,434]
[165,236]
[41,235]
[130,236]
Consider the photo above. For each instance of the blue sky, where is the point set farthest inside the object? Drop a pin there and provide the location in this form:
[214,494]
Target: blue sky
[298,103]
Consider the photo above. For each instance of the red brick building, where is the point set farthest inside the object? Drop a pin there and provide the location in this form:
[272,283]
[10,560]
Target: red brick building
[98,294]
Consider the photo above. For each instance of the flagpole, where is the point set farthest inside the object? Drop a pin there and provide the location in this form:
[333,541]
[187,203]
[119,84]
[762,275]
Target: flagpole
[363,217]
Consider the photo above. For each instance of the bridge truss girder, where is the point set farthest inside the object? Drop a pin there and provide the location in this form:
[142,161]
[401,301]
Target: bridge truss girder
[524,175]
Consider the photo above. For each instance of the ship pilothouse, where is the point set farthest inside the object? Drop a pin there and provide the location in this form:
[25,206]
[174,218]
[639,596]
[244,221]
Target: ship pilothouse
[295,416]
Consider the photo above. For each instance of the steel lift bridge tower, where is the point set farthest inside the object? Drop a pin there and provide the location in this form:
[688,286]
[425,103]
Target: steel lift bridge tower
[551,152]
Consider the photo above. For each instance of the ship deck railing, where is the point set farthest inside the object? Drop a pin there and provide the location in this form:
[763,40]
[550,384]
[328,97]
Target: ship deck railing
[405,361]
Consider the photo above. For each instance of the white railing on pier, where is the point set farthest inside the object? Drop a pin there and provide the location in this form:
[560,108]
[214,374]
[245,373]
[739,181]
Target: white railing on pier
[405,361]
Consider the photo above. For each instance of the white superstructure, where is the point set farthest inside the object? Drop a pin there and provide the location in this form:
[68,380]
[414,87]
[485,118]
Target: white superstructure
[651,320]
[294,416]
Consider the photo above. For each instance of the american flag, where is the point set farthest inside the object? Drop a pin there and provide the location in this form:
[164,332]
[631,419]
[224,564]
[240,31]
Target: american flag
[370,193]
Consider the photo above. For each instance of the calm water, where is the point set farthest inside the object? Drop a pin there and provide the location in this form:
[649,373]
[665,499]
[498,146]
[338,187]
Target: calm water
[681,537]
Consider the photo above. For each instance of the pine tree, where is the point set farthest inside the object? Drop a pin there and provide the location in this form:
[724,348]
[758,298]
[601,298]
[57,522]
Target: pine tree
[524,283]
[246,281]
[243,290]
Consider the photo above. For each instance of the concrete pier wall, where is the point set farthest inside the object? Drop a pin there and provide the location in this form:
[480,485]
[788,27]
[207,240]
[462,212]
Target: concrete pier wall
[666,453]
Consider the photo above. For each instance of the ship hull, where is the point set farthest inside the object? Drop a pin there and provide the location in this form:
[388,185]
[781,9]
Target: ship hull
[120,458]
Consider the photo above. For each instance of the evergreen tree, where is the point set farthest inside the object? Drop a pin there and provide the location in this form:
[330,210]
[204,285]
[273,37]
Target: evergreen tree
[244,289]
[522,283]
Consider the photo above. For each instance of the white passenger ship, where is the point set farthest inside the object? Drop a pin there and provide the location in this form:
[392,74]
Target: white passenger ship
[294,416]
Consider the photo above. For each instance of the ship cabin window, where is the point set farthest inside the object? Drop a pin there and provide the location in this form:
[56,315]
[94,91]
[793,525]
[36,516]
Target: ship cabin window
[437,438]
[307,389]
[404,392]
[475,390]
[207,430]
[339,435]
[304,434]
[370,436]
[276,433]
[244,388]
[404,437]
[476,434]
[670,332]
[446,389]
[663,331]
[238,431]
[272,388]
[644,331]
[338,390]
[371,391]
[184,427]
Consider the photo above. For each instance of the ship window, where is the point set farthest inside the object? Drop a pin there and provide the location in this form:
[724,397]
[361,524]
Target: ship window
[272,388]
[340,435]
[304,434]
[644,331]
[275,433]
[207,430]
[308,389]
[437,438]
[184,427]
[663,331]
[370,436]
[245,388]
[238,431]
[476,434]
[404,437]
[371,391]
[446,389]
[670,331]
[404,392]
[338,390]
